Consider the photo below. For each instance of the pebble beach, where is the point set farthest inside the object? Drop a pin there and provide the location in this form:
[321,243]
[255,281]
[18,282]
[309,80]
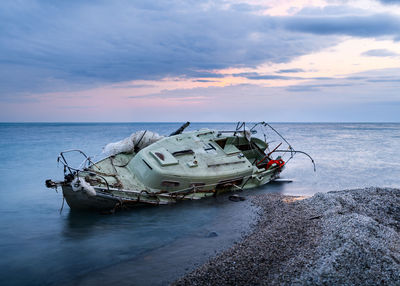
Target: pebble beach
[349,237]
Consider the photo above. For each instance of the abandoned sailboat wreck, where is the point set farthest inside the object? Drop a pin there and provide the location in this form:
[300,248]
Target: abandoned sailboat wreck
[146,168]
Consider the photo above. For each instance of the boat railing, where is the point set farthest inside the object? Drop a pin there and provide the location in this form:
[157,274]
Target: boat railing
[82,167]
[61,159]
[241,128]
[301,152]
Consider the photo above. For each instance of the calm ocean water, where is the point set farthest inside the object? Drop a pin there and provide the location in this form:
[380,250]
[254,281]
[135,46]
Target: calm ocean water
[40,246]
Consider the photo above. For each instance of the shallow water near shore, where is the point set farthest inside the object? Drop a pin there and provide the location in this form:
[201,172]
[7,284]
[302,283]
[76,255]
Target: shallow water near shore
[40,246]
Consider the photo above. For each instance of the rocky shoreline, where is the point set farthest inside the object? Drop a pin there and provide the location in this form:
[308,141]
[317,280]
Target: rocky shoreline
[349,237]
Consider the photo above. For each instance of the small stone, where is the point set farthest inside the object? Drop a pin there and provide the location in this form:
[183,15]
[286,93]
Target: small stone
[212,234]
[236,198]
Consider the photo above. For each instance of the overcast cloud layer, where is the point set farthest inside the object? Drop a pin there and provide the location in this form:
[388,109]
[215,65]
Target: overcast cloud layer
[51,45]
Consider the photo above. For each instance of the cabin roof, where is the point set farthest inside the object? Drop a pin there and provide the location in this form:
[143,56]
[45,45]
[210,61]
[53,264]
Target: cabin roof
[195,155]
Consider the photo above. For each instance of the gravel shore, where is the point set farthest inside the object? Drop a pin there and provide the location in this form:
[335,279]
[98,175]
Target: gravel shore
[347,237]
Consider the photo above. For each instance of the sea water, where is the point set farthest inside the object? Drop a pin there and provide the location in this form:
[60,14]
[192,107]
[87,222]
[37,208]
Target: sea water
[154,245]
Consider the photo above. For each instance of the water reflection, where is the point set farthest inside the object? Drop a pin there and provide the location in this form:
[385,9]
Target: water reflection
[167,241]
[139,242]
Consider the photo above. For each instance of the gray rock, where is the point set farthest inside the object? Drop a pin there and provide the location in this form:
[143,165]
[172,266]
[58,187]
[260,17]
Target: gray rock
[338,238]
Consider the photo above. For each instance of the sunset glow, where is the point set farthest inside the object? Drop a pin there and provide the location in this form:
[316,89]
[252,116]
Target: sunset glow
[200,61]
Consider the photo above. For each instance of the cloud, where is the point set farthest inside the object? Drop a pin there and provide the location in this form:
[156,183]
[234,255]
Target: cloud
[359,82]
[245,7]
[393,2]
[134,86]
[202,74]
[380,53]
[353,98]
[257,76]
[341,99]
[377,25]
[315,87]
[204,80]
[392,80]
[290,71]
[68,45]
[332,10]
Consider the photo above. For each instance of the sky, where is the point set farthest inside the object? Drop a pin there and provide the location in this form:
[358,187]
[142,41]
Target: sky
[195,60]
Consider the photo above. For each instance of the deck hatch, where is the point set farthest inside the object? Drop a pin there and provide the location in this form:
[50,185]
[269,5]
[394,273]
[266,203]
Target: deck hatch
[221,142]
[231,149]
[163,157]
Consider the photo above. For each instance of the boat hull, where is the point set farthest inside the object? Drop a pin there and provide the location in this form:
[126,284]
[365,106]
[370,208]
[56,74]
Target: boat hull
[103,201]
[80,200]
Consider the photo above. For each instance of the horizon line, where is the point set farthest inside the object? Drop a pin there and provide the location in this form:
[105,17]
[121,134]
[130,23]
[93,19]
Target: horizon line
[124,122]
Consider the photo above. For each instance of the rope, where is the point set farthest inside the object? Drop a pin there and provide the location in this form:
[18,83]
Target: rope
[62,206]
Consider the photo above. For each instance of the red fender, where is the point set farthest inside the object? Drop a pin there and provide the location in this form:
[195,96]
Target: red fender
[278,162]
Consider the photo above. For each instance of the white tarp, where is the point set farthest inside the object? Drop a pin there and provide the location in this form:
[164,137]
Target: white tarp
[141,139]
[79,184]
